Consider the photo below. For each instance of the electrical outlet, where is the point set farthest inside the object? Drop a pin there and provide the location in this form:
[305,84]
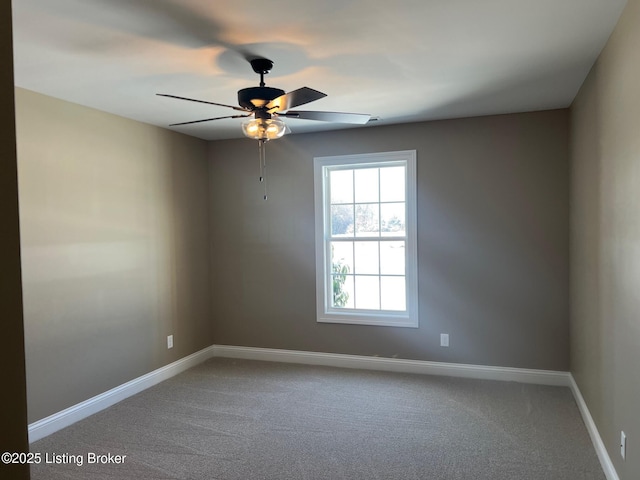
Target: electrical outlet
[170,341]
[444,339]
[623,445]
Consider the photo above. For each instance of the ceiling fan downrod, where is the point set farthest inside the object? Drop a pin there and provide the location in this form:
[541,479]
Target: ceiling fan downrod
[261,66]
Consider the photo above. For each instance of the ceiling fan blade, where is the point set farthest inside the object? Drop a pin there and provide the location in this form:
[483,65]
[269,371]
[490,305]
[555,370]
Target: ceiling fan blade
[208,120]
[337,117]
[293,99]
[202,101]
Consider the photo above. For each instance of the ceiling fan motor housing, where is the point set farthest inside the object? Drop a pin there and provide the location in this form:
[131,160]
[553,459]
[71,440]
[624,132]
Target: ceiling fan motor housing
[257,97]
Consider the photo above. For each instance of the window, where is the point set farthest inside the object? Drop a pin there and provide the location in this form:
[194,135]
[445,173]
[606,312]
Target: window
[366,255]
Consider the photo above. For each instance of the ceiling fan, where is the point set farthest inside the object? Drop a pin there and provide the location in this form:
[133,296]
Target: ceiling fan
[263,105]
[266,104]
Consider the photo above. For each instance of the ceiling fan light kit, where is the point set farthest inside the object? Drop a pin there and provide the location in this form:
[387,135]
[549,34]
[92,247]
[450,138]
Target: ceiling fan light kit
[260,129]
[266,104]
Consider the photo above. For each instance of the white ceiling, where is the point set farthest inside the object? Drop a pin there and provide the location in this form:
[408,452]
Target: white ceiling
[402,61]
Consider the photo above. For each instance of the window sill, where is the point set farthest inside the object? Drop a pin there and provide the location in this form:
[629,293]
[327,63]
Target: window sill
[371,320]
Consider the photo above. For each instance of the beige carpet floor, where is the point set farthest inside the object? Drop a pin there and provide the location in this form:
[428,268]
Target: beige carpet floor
[246,420]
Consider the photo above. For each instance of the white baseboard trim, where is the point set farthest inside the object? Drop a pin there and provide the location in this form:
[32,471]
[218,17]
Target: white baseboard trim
[541,377]
[68,416]
[598,444]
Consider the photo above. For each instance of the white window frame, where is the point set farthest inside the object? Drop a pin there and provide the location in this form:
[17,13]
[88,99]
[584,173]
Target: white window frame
[325,312]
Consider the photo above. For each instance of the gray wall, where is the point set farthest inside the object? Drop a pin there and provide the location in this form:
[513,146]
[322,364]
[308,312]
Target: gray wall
[605,241]
[13,404]
[492,234]
[115,242]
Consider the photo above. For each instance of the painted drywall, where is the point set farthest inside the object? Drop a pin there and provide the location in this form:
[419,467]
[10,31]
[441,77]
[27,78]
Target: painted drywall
[13,404]
[115,242]
[605,241]
[492,242]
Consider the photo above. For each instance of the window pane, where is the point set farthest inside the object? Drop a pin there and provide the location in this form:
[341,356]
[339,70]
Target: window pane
[366,180]
[342,220]
[341,186]
[367,292]
[342,291]
[393,293]
[367,220]
[392,184]
[342,255]
[392,258]
[392,216]
[366,258]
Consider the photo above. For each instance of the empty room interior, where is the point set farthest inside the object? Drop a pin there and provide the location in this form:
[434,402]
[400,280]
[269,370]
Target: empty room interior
[308,240]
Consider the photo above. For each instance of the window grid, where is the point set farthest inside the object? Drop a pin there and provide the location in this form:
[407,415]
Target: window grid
[394,279]
[378,239]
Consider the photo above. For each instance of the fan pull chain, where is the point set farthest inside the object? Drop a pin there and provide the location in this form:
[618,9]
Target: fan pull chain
[263,166]
[264,171]
[260,154]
